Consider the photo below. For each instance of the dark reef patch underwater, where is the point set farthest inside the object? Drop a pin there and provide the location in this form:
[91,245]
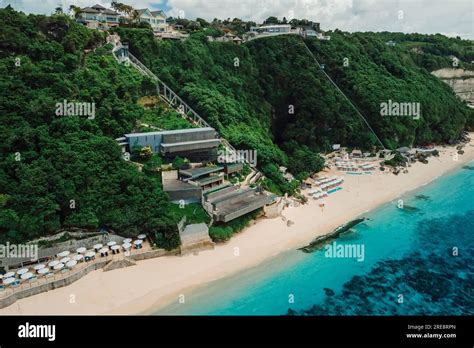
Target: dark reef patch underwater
[435,278]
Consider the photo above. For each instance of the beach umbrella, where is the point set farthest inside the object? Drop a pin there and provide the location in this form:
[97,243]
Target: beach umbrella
[98,246]
[78,257]
[53,263]
[141,236]
[59,266]
[9,275]
[26,275]
[43,271]
[63,253]
[22,271]
[111,243]
[127,240]
[65,260]
[38,267]
[8,281]
[126,246]
[81,250]
[71,263]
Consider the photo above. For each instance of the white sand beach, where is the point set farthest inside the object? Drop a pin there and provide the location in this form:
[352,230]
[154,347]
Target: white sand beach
[157,282]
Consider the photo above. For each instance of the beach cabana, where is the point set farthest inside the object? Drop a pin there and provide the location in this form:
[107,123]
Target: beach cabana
[81,250]
[26,276]
[22,271]
[138,243]
[127,240]
[59,266]
[78,257]
[104,252]
[71,264]
[63,253]
[10,281]
[43,271]
[9,275]
[115,249]
[141,236]
[111,243]
[65,260]
[53,263]
[126,246]
[97,247]
[90,255]
[39,267]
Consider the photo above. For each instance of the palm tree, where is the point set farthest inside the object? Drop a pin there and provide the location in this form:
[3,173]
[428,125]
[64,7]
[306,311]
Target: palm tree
[76,10]
[116,6]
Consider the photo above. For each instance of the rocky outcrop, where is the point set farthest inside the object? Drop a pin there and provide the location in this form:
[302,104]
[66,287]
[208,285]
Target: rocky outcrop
[460,80]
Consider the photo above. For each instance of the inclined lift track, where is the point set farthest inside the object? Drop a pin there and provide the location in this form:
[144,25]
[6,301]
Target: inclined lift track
[343,94]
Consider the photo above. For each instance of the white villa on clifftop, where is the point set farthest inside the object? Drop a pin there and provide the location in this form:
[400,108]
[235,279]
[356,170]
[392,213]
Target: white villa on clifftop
[156,19]
[98,16]
[272,29]
[266,30]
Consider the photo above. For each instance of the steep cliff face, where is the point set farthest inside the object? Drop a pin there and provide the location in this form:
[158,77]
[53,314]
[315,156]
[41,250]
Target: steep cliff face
[461,81]
[271,96]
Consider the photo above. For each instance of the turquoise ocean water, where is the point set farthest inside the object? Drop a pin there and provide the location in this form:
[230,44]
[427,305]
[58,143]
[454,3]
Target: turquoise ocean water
[418,260]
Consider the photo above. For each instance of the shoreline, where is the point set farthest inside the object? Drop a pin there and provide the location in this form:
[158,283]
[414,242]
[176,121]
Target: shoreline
[156,283]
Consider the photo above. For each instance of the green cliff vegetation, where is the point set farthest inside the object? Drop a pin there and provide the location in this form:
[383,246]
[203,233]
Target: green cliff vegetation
[59,171]
[266,95]
[270,95]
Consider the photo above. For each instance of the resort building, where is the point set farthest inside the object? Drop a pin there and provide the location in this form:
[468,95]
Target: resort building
[156,19]
[179,191]
[230,202]
[174,35]
[306,31]
[198,144]
[231,168]
[228,37]
[271,29]
[188,185]
[98,17]
[204,177]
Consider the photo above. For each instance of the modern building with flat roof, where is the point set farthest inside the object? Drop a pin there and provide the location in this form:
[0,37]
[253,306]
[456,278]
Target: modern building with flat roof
[178,190]
[204,177]
[271,29]
[232,202]
[193,143]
